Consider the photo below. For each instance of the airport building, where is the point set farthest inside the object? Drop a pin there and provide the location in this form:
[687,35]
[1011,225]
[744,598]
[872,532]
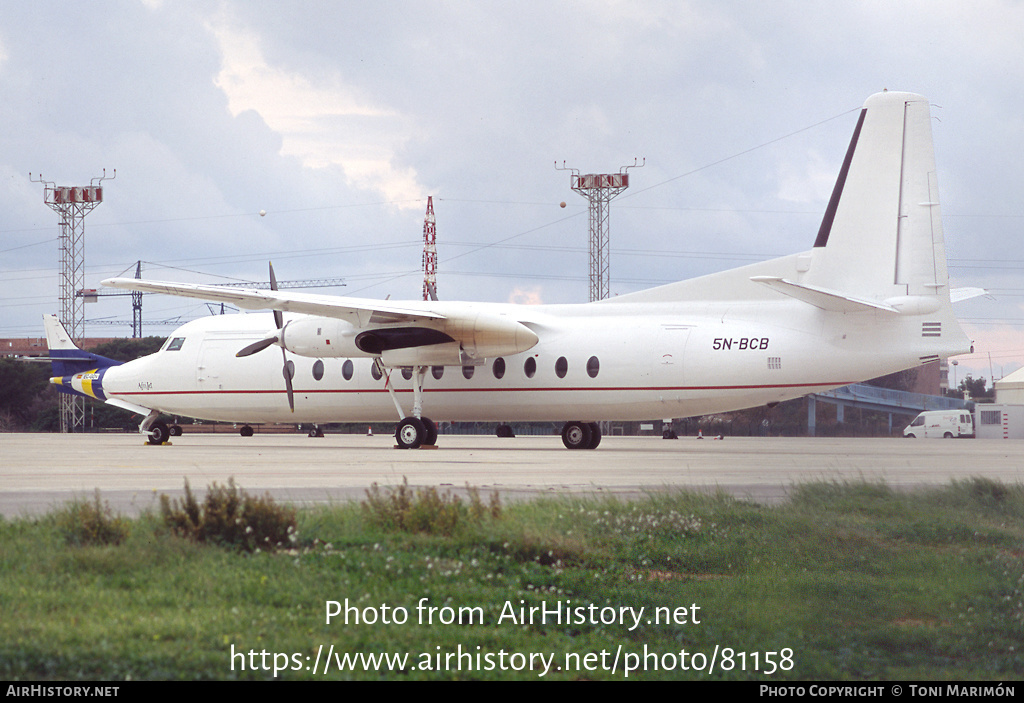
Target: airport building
[1003,419]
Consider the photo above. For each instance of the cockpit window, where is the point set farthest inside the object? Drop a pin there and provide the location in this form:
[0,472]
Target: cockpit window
[175,344]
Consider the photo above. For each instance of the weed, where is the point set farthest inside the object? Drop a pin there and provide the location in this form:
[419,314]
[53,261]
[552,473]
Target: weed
[425,509]
[91,522]
[229,516]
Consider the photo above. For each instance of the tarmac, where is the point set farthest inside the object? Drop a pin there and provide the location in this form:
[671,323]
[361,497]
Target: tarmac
[39,472]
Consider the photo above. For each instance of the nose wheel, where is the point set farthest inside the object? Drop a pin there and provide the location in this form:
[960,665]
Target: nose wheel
[159,433]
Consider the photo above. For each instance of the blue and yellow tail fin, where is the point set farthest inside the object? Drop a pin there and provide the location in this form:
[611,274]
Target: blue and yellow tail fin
[73,370]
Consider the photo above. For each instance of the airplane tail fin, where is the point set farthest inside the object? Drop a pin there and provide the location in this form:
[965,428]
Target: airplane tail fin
[880,245]
[881,236]
[73,370]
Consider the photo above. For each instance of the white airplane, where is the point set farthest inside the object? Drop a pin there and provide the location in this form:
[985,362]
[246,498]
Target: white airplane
[870,298]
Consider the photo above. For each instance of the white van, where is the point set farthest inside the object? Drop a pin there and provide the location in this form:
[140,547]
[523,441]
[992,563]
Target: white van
[941,423]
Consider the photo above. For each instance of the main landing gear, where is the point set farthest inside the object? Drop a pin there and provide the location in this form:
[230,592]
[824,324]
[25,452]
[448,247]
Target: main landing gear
[416,431]
[413,431]
[581,435]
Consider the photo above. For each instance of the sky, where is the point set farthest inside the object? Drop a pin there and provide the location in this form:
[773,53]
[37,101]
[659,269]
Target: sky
[339,119]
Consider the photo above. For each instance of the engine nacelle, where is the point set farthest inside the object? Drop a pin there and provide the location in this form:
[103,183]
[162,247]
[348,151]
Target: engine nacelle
[487,335]
[320,337]
[450,341]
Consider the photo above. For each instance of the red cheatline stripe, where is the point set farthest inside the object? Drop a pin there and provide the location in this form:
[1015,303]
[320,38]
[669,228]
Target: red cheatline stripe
[500,390]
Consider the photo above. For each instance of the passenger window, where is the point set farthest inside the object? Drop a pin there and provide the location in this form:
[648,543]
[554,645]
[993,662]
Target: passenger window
[375,372]
[530,367]
[467,371]
[498,367]
[593,367]
[437,372]
[407,373]
[346,370]
[318,369]
[561,367]
[175,344]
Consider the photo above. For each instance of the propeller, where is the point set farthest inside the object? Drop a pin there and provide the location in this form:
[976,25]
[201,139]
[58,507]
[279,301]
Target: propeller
[279,321]
[276,338]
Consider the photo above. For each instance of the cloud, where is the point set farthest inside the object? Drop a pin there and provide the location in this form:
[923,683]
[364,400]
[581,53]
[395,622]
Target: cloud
[526,296]
[322,122]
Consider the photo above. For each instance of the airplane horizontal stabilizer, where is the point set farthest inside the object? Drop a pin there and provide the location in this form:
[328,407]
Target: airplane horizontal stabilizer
[832,301]
[958,294]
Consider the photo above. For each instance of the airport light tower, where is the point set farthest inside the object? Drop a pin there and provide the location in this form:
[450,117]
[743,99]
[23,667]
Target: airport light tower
[600,189]
[72,204]
[429,252]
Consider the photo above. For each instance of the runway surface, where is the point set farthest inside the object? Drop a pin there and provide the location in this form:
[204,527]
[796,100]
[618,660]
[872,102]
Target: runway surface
[41,471]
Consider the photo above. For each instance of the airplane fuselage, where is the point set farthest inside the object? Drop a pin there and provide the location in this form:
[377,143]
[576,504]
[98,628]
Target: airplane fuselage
[593,362]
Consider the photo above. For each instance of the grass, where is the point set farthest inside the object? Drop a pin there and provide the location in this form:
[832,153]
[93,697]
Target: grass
[845,581]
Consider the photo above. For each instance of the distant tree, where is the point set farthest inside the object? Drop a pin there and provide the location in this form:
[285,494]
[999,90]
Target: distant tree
[975,387]
[127,349]
[22,387]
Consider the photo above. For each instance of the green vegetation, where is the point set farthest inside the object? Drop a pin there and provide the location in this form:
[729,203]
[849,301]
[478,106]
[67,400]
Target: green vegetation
[91,522]
[230,517]
[425,510]
[843,581]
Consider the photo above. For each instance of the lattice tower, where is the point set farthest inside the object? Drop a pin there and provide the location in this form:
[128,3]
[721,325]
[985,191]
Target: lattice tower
[599,189]
[429,252]
[73,204]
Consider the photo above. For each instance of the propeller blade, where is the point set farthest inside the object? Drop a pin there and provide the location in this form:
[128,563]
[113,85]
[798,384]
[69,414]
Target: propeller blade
[279,321]
[257,346]
[288,382]
[278,315]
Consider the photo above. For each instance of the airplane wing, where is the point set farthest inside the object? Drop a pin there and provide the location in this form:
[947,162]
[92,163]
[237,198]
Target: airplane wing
[404,334]
[358,311]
